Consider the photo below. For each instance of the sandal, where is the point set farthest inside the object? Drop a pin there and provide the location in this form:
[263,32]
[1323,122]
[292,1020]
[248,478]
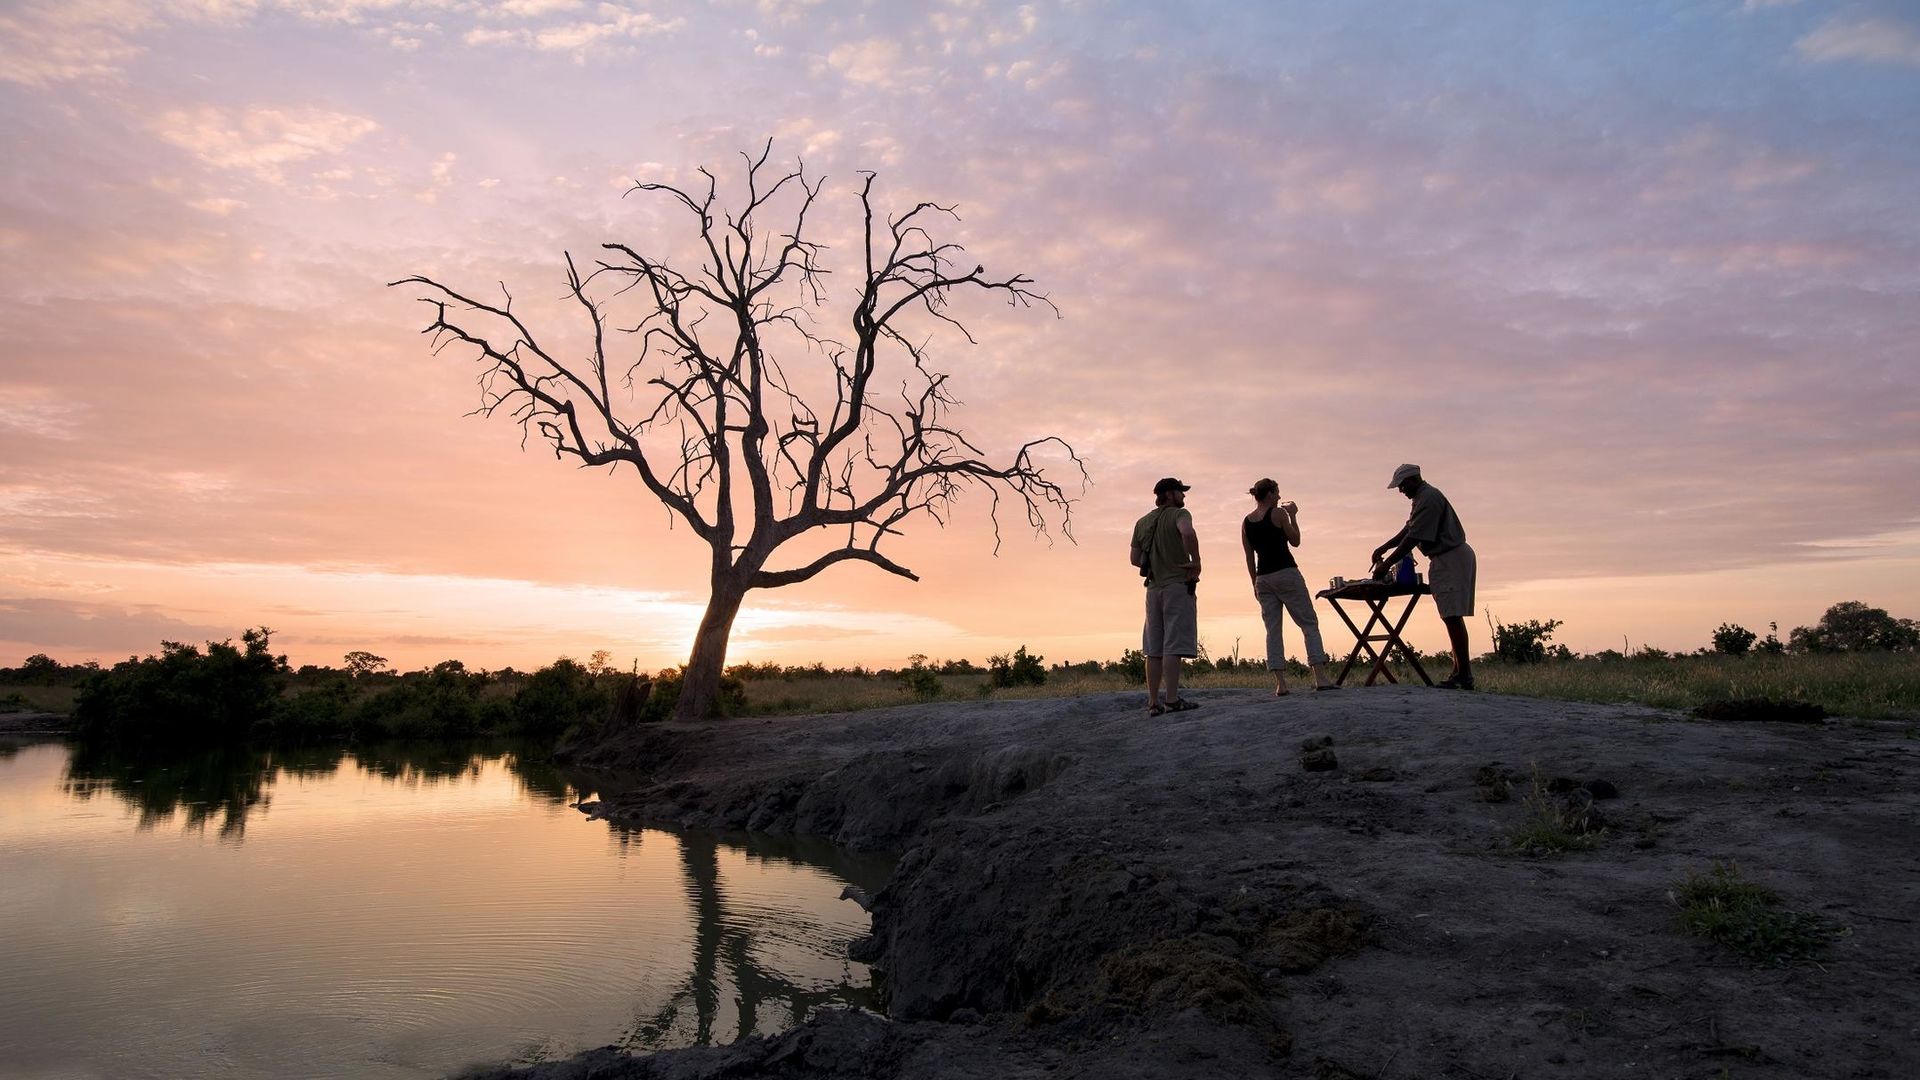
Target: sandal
[1182,705]
[1156,710]
[1329,686]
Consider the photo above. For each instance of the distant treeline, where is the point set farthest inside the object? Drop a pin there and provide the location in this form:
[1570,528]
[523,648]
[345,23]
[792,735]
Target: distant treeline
[227,693]
[1846,627]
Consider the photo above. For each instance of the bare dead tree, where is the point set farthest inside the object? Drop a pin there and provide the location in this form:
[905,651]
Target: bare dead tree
[695,394]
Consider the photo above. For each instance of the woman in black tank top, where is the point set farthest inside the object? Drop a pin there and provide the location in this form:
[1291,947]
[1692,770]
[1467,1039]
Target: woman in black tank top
[1268,536]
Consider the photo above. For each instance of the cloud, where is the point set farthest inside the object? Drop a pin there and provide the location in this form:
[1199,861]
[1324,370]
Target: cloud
[1710,163]
[873,62]
[611,23]
[1873,39]
[219,207]
[52,41]
[98,630]
[528,9]
[258,139]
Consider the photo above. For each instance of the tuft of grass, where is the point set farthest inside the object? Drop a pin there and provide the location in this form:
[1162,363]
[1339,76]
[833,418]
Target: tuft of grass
[1747,917]
[1554,824]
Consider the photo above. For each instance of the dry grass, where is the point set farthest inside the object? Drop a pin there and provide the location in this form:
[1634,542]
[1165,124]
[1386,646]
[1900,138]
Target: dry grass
[52,699]
[1870,685]
[1880,686]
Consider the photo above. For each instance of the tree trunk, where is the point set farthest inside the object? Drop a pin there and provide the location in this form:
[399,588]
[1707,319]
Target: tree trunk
[700,683]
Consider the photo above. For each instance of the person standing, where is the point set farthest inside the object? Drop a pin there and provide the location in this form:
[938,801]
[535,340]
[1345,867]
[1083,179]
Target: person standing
[1167,552]
[1435,529]
[1268,536]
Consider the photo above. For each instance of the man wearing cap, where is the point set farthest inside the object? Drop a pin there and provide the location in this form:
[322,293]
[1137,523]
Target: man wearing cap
[1168,555]
[1435,529]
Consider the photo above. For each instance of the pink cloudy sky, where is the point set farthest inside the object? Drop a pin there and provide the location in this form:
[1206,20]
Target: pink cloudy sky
[1637,283]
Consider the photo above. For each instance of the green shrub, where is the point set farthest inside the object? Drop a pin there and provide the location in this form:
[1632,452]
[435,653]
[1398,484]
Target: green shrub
[1132,666]
[184,695]
[666,694]
[1732,639]
[1523,643]
[1852,626]
[920,680]
[558,696]
[1020,669]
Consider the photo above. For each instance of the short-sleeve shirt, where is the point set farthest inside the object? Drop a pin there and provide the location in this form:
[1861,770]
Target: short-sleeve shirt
[1159,533]
[1433,526]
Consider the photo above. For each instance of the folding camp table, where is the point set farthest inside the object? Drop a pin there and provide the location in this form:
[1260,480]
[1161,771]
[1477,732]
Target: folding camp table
[1376,595]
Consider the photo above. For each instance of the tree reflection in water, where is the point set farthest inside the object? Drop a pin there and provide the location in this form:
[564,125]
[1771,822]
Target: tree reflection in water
[230,783]
[731,948]
[724,938]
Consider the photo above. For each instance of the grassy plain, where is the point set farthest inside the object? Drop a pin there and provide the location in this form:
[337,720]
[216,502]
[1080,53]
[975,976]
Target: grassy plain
[26,698]
[1866,685]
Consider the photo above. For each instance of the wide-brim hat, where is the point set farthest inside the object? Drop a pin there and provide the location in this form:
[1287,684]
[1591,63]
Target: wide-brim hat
[1403,474]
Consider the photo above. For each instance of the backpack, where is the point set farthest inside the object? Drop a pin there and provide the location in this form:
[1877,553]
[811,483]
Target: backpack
[1146,559]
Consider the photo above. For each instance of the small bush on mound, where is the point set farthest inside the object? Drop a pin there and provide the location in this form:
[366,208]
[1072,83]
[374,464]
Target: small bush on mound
[1557,824]
[1762,709]
[1194,972]
[1746,917]
[1300,941]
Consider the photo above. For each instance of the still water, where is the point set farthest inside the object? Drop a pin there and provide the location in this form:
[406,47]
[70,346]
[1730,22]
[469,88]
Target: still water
[383,914]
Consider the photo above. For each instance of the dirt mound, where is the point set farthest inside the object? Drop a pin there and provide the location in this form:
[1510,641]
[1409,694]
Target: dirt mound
[1084,892]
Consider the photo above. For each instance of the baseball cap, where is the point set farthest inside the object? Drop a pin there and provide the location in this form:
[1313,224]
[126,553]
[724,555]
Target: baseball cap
[1403,474]
[1167,484]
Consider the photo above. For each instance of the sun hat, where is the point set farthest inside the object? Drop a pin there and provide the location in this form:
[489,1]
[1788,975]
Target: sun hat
[1403,474]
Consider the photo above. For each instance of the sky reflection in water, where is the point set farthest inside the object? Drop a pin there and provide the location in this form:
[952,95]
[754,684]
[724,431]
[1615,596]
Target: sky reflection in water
[391,913]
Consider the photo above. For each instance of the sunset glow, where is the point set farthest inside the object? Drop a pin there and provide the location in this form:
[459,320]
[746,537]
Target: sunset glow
[1637,284]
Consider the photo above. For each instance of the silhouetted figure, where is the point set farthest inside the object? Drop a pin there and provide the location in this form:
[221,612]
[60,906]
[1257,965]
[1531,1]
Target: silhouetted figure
[1435,529]
[1167,551]
[1268,536]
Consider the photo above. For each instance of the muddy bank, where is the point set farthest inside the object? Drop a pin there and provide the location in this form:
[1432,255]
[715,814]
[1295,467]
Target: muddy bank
[1326,886]
[35,723]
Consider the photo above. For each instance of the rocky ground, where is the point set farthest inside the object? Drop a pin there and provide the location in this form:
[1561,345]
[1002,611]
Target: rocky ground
[1355,884]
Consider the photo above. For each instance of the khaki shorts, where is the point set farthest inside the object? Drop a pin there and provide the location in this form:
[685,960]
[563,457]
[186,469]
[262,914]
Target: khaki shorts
[1173,622]
[1451,575]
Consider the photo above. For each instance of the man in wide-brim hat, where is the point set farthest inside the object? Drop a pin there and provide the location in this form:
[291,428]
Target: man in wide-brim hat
[1435,529]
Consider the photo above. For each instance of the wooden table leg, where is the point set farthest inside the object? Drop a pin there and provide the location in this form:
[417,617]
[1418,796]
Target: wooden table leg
[1380,658]
[1359,640]
[1398,642]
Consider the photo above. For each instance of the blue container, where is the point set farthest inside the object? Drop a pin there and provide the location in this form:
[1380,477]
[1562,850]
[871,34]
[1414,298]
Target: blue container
[1403,573]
